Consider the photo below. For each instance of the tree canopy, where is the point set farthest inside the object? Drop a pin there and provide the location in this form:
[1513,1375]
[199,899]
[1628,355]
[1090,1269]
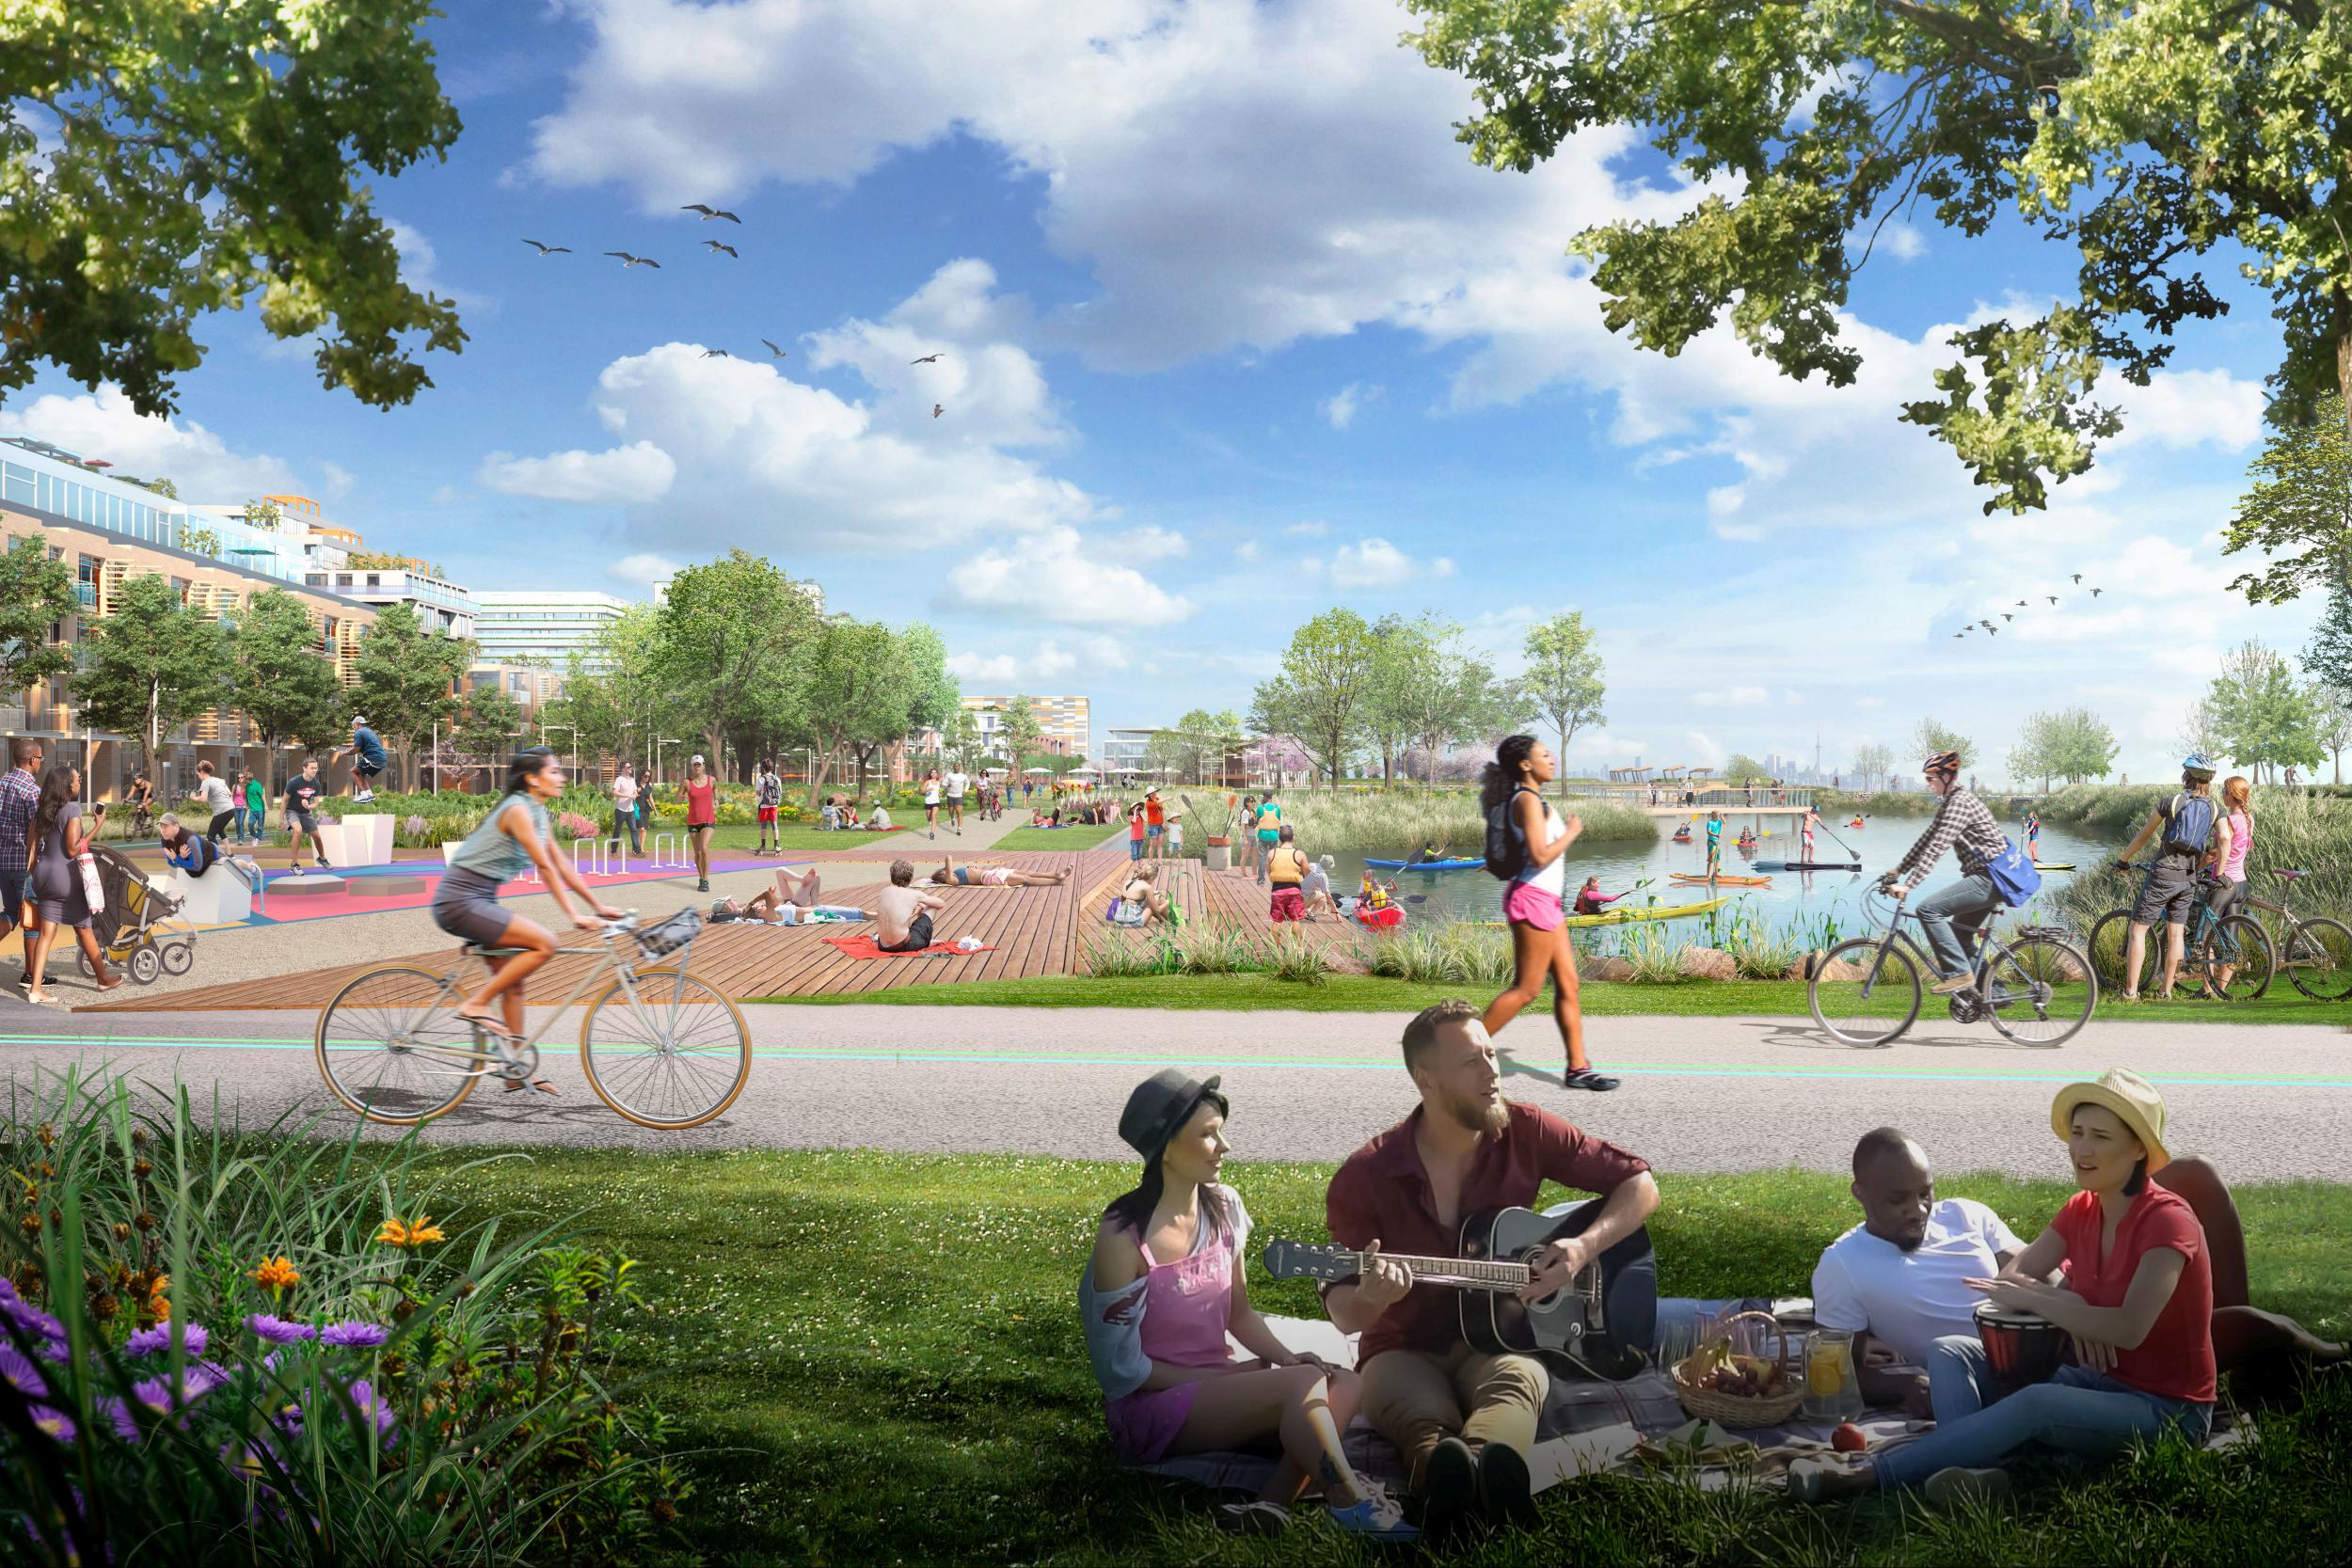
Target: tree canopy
[280,681]
[2138,135]
[1319,695]
[2264,717]
[150,663]
[159,161]
[1931,738]
[2071,743]
[407,675]
[1562,679]
[2299,513]
[36,593]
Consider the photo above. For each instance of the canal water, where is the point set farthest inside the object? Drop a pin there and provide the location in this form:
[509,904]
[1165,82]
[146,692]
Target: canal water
[1822,906]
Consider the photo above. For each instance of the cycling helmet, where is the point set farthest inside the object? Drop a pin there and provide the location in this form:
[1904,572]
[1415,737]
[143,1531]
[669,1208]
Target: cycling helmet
[1943,762]
[2197,765]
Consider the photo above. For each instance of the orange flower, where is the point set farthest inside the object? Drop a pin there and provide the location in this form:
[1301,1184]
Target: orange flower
[158,1304]
[276,1274]
[401,1234]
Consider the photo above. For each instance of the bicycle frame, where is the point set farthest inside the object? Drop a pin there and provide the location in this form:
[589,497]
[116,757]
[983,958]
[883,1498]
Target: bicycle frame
[1922,960]
[612,966]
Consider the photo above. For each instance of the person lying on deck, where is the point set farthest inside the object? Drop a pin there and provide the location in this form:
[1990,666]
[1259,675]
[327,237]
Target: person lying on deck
[902,916]
[1899,1279]
[1167,1283]
[951,875]
[797,899]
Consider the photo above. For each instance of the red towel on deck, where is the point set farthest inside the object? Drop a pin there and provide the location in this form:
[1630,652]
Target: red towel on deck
[862,947]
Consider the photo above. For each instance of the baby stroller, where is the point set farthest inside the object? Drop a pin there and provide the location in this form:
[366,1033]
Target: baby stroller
[141,927]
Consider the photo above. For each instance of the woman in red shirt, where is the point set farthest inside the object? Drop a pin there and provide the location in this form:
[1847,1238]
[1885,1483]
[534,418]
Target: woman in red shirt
[702,815]
[2138,1303]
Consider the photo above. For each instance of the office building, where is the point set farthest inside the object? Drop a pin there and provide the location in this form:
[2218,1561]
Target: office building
[1066,722]
[1124,753]
[544,627]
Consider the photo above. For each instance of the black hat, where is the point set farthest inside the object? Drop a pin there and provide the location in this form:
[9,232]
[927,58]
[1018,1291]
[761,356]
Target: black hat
[1161,1105]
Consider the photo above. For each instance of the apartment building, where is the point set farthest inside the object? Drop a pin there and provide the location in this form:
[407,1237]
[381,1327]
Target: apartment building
[543,627]
[1066,722]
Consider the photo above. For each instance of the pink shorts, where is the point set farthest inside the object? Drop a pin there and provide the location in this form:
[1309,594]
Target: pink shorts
[1528,905]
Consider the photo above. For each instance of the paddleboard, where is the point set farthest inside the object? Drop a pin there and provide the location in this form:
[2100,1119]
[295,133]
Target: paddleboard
[1719,881]
[2054,865]
[1808,865]
[1427,865]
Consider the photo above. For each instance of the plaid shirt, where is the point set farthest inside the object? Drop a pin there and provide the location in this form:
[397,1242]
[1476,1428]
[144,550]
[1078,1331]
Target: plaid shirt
[20,801]
[1961,824]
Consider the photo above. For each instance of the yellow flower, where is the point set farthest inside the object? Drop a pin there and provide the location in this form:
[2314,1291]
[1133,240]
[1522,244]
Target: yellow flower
[276,1274]
[399,1234]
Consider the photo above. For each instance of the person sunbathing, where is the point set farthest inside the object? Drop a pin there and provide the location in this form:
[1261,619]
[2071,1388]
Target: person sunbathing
[2136,1302]
[1898,1279]
[1141,901]
[1168,1282]
[951,875]
[902,916]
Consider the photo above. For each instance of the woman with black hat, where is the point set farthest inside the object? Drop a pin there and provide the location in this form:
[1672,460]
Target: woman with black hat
[1165,1286]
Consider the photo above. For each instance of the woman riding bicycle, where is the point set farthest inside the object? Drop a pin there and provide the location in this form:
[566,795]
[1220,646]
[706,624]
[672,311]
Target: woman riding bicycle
[1953,917]
[515,836]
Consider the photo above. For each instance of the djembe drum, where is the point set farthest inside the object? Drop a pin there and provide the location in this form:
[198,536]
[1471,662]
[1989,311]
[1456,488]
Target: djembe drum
[2022,1347]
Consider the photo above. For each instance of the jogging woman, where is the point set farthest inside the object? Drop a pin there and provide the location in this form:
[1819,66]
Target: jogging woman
[702,816]
[930,803]
[1535,902]
[515,836]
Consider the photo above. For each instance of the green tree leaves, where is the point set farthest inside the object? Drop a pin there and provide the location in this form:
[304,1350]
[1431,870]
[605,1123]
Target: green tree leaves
[36,593]
[2299,507]
[1562,680]
[150,664]
[2264,717]
[408,677]
[2071,743]
[279,679]
[1320,693]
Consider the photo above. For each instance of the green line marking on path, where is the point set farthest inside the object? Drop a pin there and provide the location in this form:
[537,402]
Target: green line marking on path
[1380,1064]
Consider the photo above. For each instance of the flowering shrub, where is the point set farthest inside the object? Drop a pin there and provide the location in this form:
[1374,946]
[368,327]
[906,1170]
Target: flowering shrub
[572,825]
[216,1349]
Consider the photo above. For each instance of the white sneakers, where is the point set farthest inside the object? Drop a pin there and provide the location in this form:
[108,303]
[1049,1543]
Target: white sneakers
[363,797]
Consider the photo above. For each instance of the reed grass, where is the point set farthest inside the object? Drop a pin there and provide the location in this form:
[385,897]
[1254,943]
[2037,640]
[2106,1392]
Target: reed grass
[1656,959]
[1463,955]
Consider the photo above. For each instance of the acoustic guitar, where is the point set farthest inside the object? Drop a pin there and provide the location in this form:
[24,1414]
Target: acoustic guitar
[1600,1324]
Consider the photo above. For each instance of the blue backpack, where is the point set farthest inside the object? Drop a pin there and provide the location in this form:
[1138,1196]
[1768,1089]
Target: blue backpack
[2189,824]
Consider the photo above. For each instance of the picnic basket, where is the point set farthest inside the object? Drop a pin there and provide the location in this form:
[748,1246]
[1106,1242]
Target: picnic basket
[1734,1410]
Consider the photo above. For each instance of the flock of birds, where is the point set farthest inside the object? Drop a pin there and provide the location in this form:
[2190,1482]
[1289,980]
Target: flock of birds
[714,247]
[2007,616]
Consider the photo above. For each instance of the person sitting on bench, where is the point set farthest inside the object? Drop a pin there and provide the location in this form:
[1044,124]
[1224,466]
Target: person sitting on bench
[951,875]
[902,916]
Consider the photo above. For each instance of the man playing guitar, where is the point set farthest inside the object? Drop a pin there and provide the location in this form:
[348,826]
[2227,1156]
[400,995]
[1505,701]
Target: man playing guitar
[1464,1418]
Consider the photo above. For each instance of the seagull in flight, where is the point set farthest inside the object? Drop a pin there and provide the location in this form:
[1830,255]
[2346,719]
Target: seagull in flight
[715,245]
[774,352]
[2078,580]
[709,212]
[1960,634]
[1993,631]
[937,410]
[628,261]
[927,360]
[2021,604]
[2094,592]
[2052,597]
[550,249]
[2007,616]
[716,354]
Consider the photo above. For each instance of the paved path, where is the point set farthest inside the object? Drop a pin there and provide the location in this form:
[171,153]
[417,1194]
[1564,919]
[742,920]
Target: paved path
[1700,1094]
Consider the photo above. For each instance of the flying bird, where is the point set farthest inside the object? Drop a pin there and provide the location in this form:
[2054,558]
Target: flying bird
[716,354]
[628,261]
[714,244]
[1993,631]
[2007,616]
[709,212]
[2078,580]
[2021,604]
[550,249]
[1960,634]
[2094,592]
[2052,597]
[937,410]
[774,352]
[927,360]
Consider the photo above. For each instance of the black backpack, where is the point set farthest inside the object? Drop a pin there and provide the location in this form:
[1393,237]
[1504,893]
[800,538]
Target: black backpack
[1506,851]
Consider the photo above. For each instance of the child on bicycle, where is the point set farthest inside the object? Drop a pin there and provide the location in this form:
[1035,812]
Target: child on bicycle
[515,837]
[1954,917]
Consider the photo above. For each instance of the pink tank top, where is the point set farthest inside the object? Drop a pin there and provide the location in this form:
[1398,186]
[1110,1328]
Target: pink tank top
[2241,840]
[1187,1302]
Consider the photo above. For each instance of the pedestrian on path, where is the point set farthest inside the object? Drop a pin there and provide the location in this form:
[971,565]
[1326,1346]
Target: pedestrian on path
[628,814]
[1135,831]
[255,809]
[1534,900]
[219,803]
[957,781]
[1270,830]
[20,802]
[62,834]
[702,815]
[768,796]
[931,803]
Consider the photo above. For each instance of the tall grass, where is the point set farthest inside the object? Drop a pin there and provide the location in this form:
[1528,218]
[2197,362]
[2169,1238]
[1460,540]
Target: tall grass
[1463,955]
[2291,830]
[1397,824]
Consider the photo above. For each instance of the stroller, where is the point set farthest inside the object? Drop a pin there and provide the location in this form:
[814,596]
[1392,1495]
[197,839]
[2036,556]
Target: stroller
[141,927]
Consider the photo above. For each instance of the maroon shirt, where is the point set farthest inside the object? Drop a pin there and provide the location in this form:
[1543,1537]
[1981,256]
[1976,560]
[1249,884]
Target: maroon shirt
[1382,1194]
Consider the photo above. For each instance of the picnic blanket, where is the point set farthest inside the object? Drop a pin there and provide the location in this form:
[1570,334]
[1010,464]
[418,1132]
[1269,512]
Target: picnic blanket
[862,947]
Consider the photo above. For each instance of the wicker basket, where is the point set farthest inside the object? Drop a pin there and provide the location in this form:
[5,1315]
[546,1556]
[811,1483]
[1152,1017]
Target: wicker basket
[1731,1410]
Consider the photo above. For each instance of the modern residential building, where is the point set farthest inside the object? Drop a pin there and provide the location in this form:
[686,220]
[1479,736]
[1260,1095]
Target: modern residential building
[544,627]
[1123,752]
[527,684]
[1066,722]
[439,606]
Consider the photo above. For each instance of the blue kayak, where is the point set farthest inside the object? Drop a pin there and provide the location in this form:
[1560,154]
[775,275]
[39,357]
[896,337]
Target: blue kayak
[1426,865]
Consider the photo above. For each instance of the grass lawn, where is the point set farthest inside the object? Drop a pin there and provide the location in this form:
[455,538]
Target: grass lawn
[731,840]
[879,1359]
[1347,993]
[1072,838]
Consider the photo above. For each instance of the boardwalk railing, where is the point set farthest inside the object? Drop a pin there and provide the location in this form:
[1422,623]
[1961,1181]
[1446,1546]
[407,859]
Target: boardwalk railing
[1723,797]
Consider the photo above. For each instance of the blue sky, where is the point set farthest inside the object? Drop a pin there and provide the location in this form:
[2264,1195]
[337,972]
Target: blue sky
[1232,332]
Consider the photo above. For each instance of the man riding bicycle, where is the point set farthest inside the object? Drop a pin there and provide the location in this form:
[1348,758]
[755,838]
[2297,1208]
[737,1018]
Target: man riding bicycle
[1955,916]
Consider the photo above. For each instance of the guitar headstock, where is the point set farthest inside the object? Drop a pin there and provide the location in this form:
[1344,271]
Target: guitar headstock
[1296,1259]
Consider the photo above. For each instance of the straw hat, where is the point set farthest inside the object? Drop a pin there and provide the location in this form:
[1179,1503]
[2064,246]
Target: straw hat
[2132,1097]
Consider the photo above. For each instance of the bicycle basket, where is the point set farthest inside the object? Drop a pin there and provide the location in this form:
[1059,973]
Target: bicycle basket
[672,934]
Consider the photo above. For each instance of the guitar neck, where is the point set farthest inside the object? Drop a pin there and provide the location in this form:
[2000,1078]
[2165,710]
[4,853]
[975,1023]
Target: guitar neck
[1466,1273]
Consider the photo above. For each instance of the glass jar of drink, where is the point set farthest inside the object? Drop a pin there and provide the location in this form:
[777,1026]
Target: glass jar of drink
[1833,1391]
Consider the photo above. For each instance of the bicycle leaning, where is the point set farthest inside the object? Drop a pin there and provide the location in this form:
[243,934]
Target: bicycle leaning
[2035,987]
[2223,957]
[2314,954]
[658,1045]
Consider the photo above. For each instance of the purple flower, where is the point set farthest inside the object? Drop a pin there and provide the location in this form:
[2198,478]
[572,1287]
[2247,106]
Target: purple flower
[353,1333]
[147,1341]
[55,1422]
[32,1319]
[278,1331]
[119,1416]
[17,1372]
[373,1407]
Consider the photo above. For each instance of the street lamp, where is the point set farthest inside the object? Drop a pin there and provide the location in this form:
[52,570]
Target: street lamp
[545,727]
[658,744]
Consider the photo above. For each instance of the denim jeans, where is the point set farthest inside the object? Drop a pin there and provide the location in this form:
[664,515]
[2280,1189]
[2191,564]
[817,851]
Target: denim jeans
[634,824]
[2079,1411]
[1957,913]
[1960,1377]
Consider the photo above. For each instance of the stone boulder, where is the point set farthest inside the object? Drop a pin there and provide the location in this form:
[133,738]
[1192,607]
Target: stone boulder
[1708,963]
[1835,971]
[1604,969]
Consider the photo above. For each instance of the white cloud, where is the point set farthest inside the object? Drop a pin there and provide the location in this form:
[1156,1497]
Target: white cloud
[335,481]
[1903,242]
[1308,530]
[1050,660]
[1340,408]
[1149,543]
[633,475]
[1247,549]
[1732,696]
[420,267]
[644,569]
[2189,408]
[1051,579]
[103,425]
[1377,564]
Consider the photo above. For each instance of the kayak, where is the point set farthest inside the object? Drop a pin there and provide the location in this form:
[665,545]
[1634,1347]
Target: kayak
[1808,865]
[1719,881]
[2054,865]
[1385,919]
[1627,917]
[1426,865]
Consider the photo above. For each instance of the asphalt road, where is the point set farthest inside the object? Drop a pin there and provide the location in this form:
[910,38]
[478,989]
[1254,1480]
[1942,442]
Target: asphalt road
[1700,1094]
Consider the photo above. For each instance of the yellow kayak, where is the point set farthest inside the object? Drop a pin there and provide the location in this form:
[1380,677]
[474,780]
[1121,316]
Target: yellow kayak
[1625,917]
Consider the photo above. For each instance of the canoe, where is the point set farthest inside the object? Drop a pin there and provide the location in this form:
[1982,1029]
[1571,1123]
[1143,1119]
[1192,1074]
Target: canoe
[1427,865]
[1719,881]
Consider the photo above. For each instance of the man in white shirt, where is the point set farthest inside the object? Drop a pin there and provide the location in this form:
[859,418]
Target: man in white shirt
[957,781]
[1901,1276]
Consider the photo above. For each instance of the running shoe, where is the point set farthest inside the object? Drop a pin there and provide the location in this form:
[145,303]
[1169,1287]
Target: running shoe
[1585,1078]
[321,864]
[363,797]
[1376,1516]
[703,886]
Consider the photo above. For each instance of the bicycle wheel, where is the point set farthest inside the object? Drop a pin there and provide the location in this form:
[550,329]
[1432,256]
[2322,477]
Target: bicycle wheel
[2236,944]
[392,1048]
[674,1055]
[2105,951]
[2317,957]
[1869,1001]
[2039,990]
